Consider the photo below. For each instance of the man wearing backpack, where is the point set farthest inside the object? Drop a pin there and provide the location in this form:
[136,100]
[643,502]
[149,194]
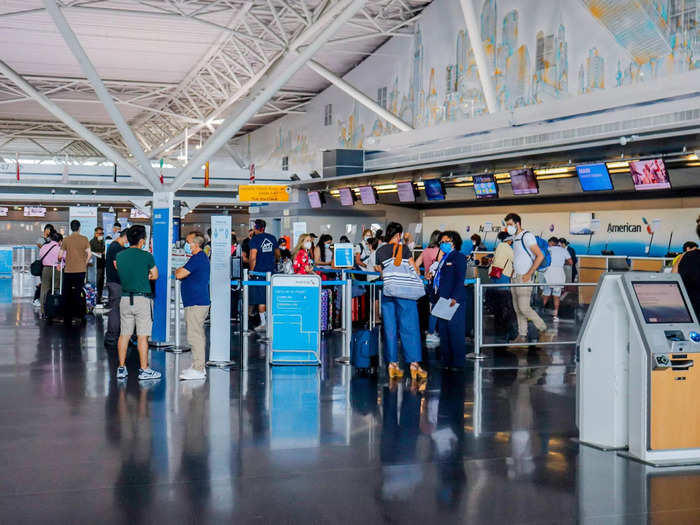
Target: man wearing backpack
[528,257]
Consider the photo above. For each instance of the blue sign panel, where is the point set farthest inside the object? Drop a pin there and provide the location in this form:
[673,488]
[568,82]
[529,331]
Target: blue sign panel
[161,248]
[6,262]
[296,319]
[594,177]
[343,255]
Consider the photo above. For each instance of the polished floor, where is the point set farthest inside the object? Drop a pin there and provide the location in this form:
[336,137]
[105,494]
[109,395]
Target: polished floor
[304,445]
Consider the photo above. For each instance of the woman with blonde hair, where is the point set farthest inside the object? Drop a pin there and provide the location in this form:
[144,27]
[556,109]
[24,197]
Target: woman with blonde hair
[300,256]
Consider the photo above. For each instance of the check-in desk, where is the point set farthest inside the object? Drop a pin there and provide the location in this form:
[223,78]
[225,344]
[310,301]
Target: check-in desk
[639,369]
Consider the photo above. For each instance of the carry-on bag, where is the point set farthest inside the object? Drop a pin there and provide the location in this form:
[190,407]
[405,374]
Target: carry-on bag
[53,303]
[364,350]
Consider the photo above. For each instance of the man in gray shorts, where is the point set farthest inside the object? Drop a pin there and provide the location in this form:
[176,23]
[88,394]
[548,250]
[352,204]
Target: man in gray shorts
[136,269]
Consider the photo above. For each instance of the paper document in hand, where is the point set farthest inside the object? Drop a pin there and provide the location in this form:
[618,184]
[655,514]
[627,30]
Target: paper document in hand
[443,310]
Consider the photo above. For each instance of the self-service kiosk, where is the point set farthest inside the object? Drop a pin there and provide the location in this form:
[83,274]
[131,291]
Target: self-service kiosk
[639,369]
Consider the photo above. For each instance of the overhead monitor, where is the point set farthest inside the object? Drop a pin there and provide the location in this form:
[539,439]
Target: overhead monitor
[649,174]
[368,195]
[485,186]
[315,199]
[434,190]
[406,192]
[346,197]
[523,182]
[594,177]
[662,303]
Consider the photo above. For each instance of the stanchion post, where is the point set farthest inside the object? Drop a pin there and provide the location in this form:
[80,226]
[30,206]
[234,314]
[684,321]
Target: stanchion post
[346,320]
[177,313]
[244,307]
[476,354]
[268,305]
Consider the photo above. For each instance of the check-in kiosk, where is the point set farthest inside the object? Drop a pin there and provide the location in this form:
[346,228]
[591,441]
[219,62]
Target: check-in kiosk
[639,369]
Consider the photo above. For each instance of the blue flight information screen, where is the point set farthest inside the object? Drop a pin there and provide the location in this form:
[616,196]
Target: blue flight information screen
[594,177]
[434,190]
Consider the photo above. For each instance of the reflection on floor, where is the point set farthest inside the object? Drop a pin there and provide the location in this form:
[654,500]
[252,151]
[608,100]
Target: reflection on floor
[304,445]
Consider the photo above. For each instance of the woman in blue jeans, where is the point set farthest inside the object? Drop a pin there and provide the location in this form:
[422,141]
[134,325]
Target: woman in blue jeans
[449,284]
[399,316]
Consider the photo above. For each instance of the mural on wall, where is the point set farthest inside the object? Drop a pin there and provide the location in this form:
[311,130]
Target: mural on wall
[535,55]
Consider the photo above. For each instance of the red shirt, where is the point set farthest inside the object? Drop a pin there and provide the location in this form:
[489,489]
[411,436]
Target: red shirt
[301,261]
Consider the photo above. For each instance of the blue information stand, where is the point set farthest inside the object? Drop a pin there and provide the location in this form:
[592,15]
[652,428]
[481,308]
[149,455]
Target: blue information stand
[295,315]
[160,234]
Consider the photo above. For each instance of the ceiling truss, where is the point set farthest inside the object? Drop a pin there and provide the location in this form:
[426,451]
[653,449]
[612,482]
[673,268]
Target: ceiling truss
[255,34]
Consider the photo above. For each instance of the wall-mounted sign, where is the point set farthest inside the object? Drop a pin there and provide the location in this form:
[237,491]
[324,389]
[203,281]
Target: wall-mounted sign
[34,211]
[263,193]
[3,211]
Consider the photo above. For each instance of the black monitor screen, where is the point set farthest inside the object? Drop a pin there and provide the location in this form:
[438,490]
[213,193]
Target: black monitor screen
[523,182]
[406,192]
[594,177]
[315,199]
[434,190]
[662,303]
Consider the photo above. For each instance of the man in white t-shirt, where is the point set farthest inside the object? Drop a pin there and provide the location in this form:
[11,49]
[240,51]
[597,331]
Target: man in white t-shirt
[527,257]
[554,274]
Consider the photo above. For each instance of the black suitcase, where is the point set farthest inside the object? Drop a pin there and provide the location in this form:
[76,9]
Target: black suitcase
[53,303]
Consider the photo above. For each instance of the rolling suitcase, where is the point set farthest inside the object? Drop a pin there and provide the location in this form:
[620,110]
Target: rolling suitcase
[364,350]
[326,310]
[53,303]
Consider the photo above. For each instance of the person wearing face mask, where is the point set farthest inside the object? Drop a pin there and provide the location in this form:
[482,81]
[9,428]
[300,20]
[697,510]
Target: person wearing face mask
[527,258]
[399,316]
[477,245]
[323,254]
[449,284]
[301,258]
[194,276]
[362,251]
[97,247]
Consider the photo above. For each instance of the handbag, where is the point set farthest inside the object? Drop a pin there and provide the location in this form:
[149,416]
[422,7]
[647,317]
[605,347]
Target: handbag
[401,281]
[38,266]
[496,272]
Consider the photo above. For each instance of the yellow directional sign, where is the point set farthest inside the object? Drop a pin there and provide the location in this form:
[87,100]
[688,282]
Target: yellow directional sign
[263,193]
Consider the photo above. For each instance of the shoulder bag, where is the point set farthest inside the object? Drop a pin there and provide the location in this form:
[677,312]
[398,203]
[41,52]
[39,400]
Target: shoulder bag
[38,266]
[401,280]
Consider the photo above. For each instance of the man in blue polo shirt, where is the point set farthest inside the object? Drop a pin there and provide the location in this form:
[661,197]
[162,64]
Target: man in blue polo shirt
[264,254]
[194,277]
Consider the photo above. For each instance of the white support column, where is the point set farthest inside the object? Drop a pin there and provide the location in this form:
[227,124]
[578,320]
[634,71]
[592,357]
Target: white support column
[76,126]
[358,95]
[235,156]
[477,44]
[100,89]
[277,76]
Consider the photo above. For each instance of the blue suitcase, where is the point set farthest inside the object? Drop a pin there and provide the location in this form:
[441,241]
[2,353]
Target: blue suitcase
[364,350]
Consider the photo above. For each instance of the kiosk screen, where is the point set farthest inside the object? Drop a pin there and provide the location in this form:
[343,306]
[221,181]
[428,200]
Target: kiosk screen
[662,303]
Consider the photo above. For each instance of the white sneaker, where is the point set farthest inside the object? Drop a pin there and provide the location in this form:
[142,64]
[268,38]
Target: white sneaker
[36,302]
[148,373]
[191,373]
[432,339]
[261,328]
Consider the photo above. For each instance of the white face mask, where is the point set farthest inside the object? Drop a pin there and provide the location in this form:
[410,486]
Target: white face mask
[511,229]
[411,245]
[100,237]
[307,245]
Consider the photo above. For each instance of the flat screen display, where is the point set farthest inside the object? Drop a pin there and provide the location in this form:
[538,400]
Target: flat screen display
[346,197]
[523,182]
[594,177]
[406,193]
[580,223]
[662,303]
[368,195]
[314,199]
[434,190]
[485,186]
[649,174]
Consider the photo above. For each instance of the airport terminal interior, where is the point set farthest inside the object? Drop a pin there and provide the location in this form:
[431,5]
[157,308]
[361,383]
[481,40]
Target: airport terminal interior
[350,261]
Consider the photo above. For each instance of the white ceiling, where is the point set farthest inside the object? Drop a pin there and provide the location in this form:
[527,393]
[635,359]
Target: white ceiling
[169,64]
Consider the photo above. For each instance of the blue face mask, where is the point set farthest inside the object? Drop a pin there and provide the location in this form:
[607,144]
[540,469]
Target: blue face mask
[445,247]
[188,249]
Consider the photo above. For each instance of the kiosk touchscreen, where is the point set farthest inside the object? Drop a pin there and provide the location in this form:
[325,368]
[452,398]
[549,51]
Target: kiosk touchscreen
[639,382]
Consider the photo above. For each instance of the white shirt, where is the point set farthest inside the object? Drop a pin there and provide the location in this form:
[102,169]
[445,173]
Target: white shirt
[559,256]
[522,258]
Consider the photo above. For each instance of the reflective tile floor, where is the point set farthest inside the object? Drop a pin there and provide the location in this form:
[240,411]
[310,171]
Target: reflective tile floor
[304,445]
